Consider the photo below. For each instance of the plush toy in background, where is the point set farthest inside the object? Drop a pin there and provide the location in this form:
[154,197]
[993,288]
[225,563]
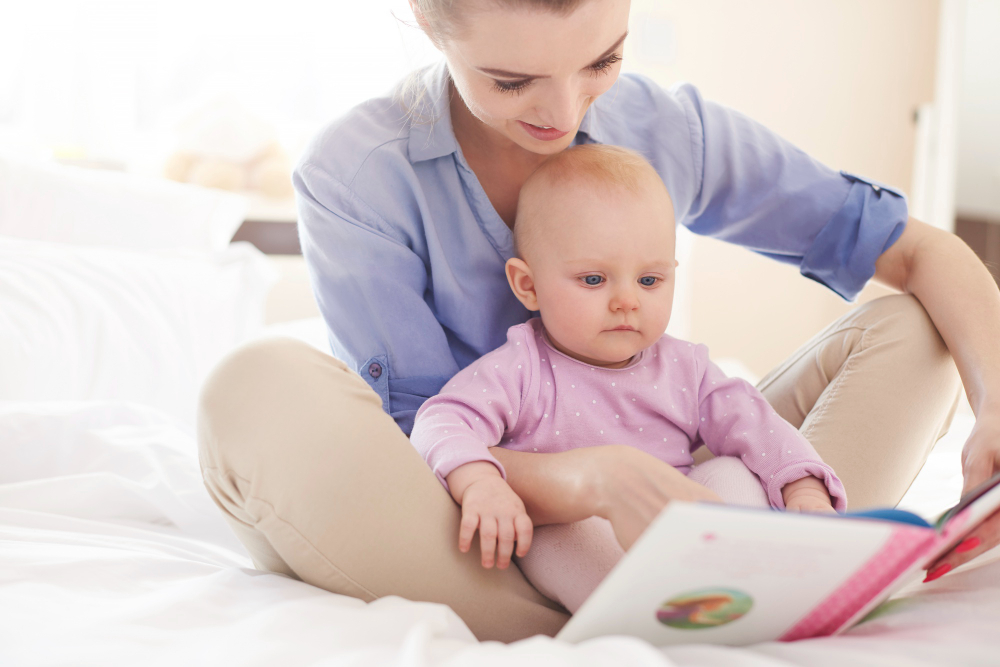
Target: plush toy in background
[223,145]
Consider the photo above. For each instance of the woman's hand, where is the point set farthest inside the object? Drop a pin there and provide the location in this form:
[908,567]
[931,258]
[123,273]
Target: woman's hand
[631,487]
[980,461]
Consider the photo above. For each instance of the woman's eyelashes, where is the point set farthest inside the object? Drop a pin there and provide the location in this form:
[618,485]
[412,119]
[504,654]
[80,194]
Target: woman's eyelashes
[515,87]
[593,280]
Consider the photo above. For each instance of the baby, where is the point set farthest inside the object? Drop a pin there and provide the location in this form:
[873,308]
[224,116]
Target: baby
[595,235]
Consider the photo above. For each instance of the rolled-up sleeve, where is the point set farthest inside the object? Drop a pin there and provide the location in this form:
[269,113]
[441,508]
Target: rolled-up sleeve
[370,288]
[755,189]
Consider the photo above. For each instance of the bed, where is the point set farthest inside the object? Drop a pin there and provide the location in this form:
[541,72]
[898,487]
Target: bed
[112,553]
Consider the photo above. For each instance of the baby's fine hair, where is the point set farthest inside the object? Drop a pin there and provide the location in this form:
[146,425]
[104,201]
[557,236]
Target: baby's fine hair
[601,166]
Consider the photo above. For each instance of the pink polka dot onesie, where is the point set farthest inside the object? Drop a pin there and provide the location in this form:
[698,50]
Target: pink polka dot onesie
[668,401]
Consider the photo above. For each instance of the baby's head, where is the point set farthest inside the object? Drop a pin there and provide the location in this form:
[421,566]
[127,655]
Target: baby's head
[594,237]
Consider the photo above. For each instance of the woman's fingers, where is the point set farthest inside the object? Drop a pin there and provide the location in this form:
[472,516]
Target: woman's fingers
[982,539]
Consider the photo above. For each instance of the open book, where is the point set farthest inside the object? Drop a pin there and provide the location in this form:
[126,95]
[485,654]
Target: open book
[721,574]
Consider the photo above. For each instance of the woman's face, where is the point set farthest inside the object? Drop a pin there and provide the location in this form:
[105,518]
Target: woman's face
[531,74]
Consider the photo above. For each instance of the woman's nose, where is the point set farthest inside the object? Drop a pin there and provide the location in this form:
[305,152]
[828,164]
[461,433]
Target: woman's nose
[562,106]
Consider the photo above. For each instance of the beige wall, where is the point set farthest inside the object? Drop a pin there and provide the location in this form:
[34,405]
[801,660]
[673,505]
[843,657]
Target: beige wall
[838,78]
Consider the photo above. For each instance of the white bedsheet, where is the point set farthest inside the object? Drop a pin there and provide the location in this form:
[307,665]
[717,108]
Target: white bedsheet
[112,553]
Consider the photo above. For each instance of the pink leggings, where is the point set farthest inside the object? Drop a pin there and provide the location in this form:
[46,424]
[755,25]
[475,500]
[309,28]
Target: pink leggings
[567,561]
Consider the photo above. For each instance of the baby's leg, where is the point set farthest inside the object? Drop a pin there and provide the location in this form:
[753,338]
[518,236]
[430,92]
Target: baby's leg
[732,480]
[567,561]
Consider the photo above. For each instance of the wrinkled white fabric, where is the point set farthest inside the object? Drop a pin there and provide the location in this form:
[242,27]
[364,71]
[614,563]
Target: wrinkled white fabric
[112,553]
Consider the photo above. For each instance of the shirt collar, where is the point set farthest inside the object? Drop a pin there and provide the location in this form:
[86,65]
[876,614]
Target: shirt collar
[431,132]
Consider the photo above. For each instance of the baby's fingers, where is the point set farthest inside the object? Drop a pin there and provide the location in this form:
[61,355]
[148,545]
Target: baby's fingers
[467,529]
[505,543]
[487,539]
[525,531]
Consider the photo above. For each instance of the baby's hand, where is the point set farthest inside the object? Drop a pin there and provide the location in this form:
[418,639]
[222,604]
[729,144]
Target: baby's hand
[490,505]
[808,494]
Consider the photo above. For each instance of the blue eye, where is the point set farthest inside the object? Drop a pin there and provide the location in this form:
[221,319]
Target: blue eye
[597,280]
[652,280]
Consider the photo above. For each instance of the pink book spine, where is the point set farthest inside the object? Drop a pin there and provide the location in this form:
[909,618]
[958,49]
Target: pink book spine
[895,557]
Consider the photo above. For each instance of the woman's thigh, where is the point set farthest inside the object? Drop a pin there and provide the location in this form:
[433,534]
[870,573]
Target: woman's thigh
[872,392]
[321,484]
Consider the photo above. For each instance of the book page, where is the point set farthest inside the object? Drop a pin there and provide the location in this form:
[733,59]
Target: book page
[722,574]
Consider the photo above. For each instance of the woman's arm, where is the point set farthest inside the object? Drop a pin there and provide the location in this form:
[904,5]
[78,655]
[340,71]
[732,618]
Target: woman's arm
[555,488]
[622,484]
[963,301]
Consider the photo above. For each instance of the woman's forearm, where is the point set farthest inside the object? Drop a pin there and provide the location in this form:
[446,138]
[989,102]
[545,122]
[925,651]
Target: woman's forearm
[963,301]
[553,487]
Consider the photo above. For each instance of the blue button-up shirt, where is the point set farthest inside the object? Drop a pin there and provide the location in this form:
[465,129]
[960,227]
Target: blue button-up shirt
[406,253]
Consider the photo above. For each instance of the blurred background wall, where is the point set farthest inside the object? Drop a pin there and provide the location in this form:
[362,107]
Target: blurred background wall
[841,79]
[870,86]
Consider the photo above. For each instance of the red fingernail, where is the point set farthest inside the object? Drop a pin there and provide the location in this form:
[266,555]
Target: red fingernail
[967,545]
[939,571]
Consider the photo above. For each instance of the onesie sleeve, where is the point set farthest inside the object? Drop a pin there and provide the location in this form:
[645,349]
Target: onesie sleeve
[473,410]
[736,420]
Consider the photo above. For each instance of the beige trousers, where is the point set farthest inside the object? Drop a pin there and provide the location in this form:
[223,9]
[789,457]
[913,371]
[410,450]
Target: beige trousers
[321,485]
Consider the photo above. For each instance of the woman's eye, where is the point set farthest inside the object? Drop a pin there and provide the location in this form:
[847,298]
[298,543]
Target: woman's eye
[593,281]
[513,87]
[648,281]
[606,64]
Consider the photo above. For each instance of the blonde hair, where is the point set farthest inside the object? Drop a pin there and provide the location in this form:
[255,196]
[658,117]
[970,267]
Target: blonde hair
[598,166]
[445,19]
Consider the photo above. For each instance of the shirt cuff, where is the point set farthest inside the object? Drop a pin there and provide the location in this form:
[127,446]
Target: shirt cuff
[843,255]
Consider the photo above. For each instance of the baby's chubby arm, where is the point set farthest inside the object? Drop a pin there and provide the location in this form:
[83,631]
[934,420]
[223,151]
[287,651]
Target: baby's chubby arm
[491,506]
[736,420]
[454,432]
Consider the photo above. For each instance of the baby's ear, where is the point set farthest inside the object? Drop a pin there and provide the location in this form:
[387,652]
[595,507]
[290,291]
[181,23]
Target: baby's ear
[521,282]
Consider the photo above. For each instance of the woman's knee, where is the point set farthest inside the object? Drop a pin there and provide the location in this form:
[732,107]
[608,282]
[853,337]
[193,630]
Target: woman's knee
[902,322]
[263,385]
[903,317]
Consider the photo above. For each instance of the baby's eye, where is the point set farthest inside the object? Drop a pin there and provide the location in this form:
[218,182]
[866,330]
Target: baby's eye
[648,281]
[593,281]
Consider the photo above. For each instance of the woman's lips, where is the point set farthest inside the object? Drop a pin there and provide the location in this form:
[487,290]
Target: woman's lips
[550,134]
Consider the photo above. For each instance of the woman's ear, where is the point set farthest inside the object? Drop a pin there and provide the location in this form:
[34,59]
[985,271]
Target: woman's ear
[520,281]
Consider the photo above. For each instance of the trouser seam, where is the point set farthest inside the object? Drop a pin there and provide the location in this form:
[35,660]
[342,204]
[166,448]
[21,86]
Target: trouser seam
[791,361]
[274,512]
[837,383]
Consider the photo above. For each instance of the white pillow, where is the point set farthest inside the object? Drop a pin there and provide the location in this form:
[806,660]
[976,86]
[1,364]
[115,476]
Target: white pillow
[52,202]
[84,323]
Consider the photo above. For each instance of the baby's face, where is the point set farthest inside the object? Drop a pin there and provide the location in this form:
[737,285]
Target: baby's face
[603,266]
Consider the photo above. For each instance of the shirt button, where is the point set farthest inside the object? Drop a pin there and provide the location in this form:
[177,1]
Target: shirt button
[375,370]
[876,188]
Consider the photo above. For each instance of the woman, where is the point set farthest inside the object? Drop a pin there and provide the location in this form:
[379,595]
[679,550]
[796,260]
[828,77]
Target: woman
[404,216]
